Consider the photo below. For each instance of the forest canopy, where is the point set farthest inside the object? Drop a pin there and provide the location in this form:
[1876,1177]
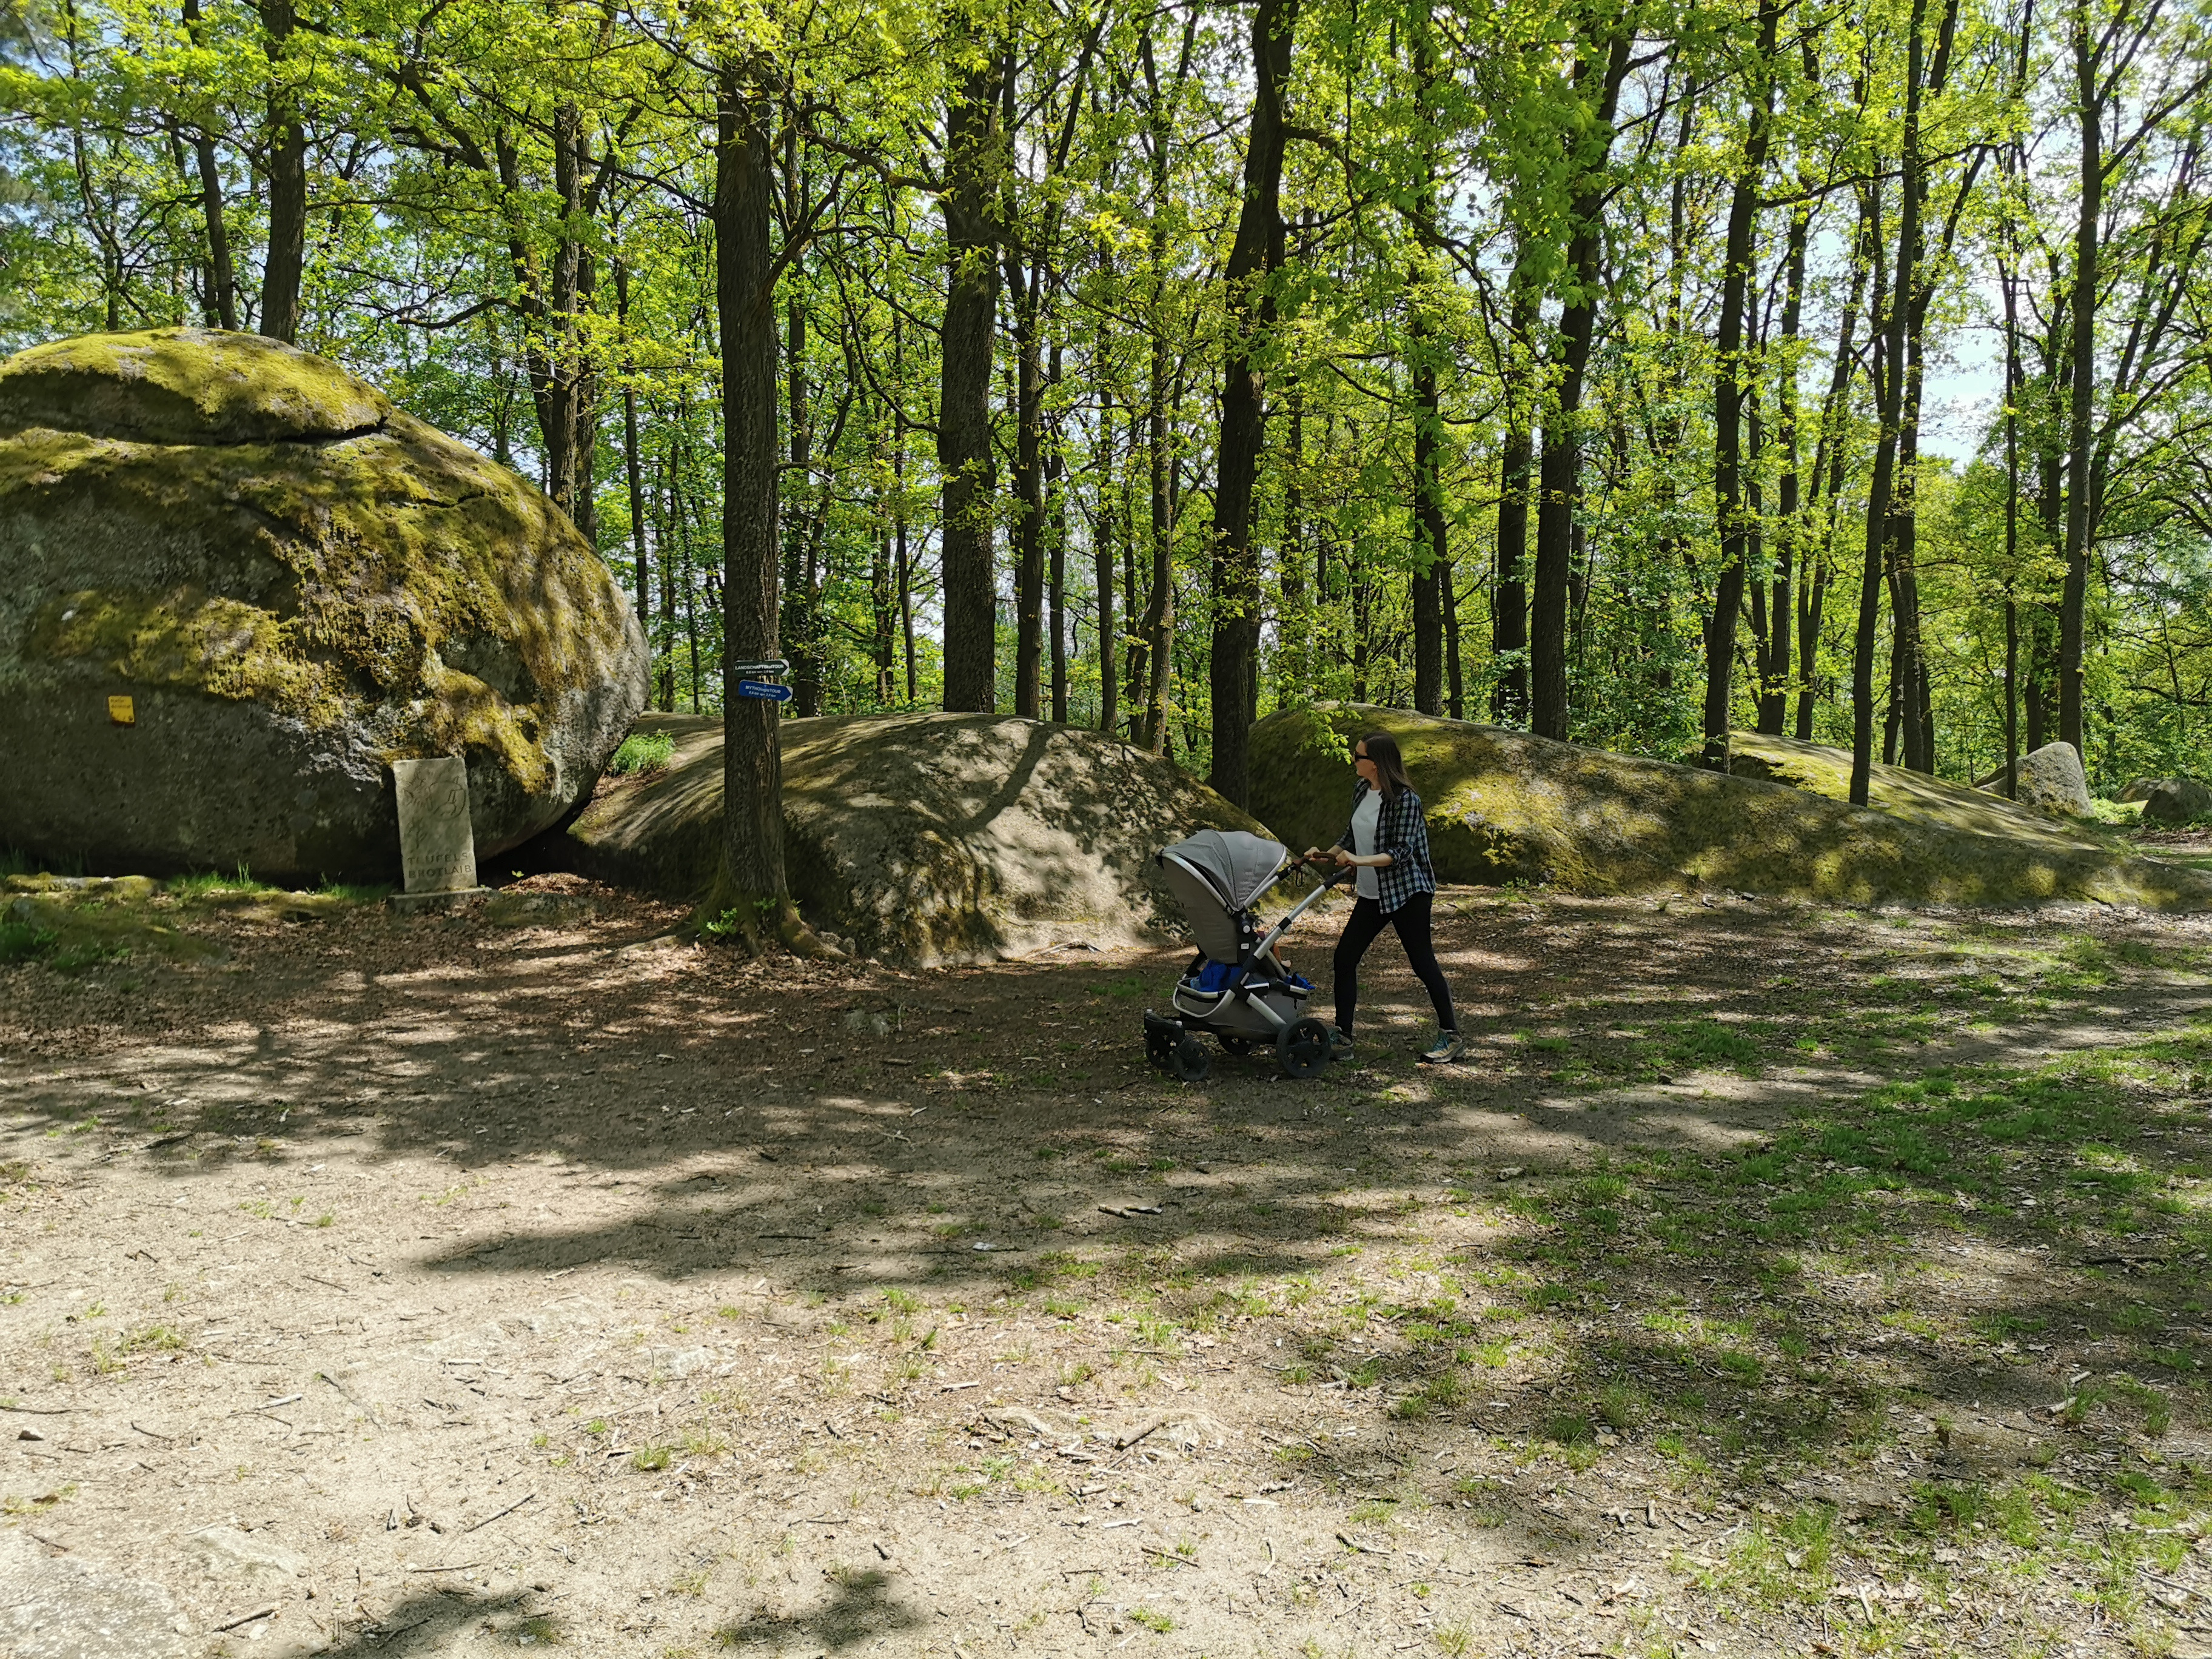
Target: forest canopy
[1155,366]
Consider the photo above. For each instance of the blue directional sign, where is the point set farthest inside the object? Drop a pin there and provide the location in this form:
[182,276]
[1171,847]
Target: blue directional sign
[764,691]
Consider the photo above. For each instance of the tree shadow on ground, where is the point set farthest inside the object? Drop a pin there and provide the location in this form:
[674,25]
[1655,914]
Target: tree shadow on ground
[1684,1193]
[860,1608]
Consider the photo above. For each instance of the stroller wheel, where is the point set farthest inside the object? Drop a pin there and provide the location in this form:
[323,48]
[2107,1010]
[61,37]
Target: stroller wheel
[1187,1060]
[1239,1046]
[1160,1038]
[1302,1047]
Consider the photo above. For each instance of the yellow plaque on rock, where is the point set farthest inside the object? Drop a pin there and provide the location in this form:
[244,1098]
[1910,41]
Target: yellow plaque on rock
[122,711]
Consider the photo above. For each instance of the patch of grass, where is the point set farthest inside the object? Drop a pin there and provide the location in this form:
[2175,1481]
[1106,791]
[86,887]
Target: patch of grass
[21,942]
[1708,1043]
[652,1457]
[1158,1623]
[642,752]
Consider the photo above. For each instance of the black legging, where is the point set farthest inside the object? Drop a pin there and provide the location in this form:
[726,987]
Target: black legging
[1363,927]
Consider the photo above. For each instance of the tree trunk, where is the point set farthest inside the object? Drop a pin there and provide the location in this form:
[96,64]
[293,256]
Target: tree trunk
[1253,257]
[1293,619]
[1729,373]
[1104,534]
[222,277]
[1431,555]
[680,534]
[1891,401]
[1454,683]
[1828,463]
[632,469]
[899,510]
[1560,474]
[2089,113]
[281,271]
[1056,483]
[1774,674]
[1508,622]
[1029,491]
[750,897]
[964,455]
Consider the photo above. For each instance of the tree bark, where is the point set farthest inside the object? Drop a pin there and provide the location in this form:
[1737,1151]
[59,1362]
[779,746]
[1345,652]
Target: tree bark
[1884,463]
[222,277]
[1055,495]
[1455,683]
[964,455]
[1774,672]
[1431,557]
[1509,624]
[2089,117]
[631,466]
[750,898]
[1293,620]
[675,531]
[1730,371]
[1827,474]
[286,264]
[1432,554]
[1029,490]
[1253,257]
[1560,474]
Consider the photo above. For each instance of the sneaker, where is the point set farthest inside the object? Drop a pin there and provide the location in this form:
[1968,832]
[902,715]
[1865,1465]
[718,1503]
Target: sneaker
[1340,1044]
[1447,1046]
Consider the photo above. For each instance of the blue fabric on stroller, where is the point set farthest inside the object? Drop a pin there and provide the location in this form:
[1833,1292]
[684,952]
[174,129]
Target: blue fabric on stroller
[1215,977]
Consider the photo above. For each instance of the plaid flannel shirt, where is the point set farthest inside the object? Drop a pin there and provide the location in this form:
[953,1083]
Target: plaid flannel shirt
[1402,831]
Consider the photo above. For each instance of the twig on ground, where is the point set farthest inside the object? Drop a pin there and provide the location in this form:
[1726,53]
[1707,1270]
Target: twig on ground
[509,1509]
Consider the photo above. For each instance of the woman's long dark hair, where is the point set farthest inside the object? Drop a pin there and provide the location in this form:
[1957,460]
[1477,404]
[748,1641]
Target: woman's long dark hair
[1389,765]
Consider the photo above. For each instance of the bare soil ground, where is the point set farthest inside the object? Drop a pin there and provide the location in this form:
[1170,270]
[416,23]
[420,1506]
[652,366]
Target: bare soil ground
[1767,1279]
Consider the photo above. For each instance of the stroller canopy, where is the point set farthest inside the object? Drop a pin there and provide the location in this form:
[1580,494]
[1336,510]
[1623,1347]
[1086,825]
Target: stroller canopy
[1237,864]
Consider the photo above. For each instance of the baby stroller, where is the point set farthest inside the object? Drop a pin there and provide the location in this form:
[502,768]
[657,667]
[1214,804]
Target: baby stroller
[1237,987]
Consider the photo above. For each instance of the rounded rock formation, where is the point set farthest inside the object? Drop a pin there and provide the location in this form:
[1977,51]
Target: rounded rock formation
[237,583]
[2051,781]
[2177,800]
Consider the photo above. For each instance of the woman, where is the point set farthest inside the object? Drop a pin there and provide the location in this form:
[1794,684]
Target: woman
[1389,844]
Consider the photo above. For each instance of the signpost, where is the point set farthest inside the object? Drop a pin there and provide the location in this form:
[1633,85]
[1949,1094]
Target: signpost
[763,690]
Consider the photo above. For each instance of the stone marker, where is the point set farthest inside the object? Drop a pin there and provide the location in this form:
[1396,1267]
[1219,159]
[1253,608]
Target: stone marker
[67,1608]
[437,848]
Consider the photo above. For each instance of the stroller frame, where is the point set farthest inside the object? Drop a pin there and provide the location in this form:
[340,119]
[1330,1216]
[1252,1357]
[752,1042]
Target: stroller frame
[1260,1001]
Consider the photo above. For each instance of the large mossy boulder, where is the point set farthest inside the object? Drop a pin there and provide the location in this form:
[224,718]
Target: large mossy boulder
[1504,807]
[294,584]
[921,838]
[2051,780]
[2177,800]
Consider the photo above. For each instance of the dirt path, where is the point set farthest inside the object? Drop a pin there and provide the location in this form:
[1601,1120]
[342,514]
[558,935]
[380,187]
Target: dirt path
[541,1279]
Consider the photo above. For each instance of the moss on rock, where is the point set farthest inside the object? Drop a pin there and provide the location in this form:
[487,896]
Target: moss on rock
[1504,807]
[297,584]
[186,386]
[923,837]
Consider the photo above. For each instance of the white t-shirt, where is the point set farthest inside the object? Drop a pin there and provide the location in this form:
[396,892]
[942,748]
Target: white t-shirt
[1366,817]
